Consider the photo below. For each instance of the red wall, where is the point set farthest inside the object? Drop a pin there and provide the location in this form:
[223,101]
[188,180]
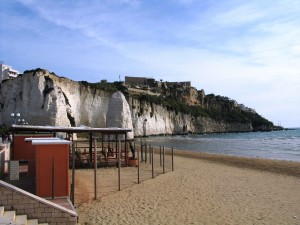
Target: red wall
[23,150]
[44,155]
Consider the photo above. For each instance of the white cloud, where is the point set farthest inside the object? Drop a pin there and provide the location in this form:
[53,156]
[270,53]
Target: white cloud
[248,51]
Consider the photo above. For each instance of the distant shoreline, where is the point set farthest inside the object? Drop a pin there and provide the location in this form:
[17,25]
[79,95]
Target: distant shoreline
[284,167]
[290,168]
[208,133]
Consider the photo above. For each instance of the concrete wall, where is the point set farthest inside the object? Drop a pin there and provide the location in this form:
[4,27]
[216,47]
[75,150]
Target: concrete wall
[7,72]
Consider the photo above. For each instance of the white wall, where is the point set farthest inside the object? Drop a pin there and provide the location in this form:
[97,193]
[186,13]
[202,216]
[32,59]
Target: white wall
[7,72]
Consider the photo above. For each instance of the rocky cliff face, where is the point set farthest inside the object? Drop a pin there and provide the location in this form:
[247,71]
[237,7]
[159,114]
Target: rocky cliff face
[156,119]
[118,114]
[43,98]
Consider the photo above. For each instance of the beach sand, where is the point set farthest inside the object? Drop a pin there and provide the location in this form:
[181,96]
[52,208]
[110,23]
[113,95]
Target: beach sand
[203,189]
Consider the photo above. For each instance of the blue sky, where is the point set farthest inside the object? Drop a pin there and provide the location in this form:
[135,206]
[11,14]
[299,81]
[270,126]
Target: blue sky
[246,50]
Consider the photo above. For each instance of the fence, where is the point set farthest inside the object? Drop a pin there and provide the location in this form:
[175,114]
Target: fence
[111,173]
[105,180]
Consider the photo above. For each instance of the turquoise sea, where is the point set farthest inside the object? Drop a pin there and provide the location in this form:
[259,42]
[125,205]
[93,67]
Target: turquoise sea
[279,145]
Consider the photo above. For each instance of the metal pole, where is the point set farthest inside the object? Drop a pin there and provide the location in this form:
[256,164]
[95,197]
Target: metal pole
[95,167]
[163,159]
[152,162]
[172,159]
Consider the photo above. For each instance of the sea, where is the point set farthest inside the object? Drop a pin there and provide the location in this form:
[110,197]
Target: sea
[278,145]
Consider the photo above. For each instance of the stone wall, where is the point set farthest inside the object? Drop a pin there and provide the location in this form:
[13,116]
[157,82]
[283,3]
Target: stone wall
[24,203]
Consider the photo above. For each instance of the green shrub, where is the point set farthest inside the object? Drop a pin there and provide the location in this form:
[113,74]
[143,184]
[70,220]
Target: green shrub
[106,86]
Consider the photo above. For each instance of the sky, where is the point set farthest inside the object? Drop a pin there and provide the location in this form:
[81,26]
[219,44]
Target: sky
[248,51]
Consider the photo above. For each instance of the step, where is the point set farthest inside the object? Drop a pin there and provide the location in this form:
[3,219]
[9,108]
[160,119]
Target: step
[32,222]
[9,215]
[21,219]
[1,210]
[4,220]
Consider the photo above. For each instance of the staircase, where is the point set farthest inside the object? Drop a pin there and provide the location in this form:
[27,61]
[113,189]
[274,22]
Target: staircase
[10,217]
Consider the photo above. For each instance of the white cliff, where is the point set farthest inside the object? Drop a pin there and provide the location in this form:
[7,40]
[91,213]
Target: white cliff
[43,98]
[157,120]
[118,114]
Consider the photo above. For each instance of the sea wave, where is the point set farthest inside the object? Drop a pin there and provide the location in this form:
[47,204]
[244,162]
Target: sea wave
[281,145]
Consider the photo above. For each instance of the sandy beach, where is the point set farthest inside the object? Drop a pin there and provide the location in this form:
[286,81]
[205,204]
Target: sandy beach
[203,189]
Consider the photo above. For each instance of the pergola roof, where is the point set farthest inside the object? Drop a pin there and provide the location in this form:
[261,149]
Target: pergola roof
[110,130]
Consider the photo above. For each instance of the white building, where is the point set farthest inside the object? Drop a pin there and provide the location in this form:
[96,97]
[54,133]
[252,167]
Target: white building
[247,109]
[7,72]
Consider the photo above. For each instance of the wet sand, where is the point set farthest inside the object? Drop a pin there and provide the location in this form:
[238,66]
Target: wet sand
[203,189]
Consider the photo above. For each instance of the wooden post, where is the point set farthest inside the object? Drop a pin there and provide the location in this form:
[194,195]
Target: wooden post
[145,152]
[172,159]
[152,162]
[119,164]
[138,158]
[150,153]
[163,159]
[160,156]
[11,154]
[125,147]
[53,170]
[103,150]
[142,151]
[91,149]
[73,173]
[116,147]
[95,167]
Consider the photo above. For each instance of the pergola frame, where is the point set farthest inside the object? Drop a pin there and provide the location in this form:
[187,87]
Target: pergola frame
[72,130]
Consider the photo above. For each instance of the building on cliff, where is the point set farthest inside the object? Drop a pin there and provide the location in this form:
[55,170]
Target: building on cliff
[247,109]
[182,83]
[7,72]
[150,82]
[140,81]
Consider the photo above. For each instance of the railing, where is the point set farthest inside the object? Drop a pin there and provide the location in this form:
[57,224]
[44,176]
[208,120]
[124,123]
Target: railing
[107,153]
[19,173]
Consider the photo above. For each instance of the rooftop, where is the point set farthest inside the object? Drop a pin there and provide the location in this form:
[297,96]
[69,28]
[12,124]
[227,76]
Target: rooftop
[81,129]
